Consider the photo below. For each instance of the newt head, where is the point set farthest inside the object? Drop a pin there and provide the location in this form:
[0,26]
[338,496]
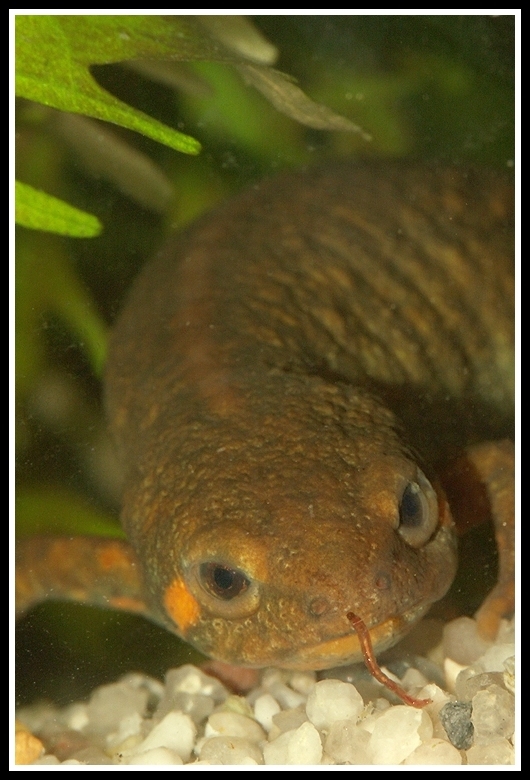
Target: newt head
[263,567]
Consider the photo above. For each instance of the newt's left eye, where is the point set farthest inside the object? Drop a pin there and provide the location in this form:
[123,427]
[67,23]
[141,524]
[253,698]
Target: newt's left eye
[223,582]
[223,590]
[418,511]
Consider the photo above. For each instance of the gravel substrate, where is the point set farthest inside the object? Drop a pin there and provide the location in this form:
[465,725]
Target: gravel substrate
[290,718]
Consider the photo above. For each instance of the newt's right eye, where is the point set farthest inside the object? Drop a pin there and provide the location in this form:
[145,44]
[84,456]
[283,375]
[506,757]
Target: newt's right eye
[418,511]
[223,582]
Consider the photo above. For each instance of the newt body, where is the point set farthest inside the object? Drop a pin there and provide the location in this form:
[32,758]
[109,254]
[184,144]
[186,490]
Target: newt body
[283,383]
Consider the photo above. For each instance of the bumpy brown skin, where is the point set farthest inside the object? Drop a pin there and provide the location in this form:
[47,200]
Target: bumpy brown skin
[271,377]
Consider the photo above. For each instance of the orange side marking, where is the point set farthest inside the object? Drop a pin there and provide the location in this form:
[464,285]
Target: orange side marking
[181,606]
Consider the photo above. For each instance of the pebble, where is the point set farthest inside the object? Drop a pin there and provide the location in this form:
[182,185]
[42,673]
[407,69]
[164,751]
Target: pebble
[332,700]
[156,756]
[456,720]
[28,748]
[230,751]
[176,731]
[301,746]
[493,715]
[434,752]
[109,704]
[397,732]
[462,642]
[265,708]
[347,743]
[500,752]
[468,682]
[232,724]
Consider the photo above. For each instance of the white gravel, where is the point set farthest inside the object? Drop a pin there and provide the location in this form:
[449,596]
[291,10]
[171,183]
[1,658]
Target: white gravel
[290,718]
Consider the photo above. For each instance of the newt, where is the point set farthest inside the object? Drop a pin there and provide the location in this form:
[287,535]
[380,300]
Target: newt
[305,386]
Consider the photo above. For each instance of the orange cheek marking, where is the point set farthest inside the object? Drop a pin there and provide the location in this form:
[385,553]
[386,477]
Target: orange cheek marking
[181,606]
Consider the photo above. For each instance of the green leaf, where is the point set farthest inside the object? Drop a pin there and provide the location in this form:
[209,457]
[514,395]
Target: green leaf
[289,99]
[53,55]
[39,211]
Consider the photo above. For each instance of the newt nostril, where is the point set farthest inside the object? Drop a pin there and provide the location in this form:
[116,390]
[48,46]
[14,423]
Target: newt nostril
[318,606]
[383,581]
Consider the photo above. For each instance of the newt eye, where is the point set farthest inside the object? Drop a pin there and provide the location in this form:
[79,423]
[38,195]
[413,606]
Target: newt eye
[418,511]
[223,582]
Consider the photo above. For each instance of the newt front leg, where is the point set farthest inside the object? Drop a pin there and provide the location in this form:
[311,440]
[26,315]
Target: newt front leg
[482,484]
[90,570]
[495,463]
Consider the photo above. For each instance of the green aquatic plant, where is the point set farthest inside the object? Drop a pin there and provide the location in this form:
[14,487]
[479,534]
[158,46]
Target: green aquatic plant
[54,55]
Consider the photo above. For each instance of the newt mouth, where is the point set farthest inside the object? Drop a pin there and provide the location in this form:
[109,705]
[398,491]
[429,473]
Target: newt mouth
[347,649]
